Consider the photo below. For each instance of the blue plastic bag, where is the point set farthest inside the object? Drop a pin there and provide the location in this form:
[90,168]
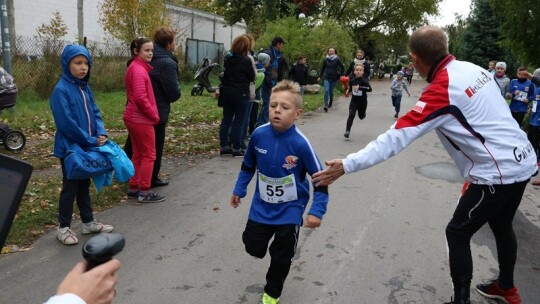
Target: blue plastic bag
[80,164]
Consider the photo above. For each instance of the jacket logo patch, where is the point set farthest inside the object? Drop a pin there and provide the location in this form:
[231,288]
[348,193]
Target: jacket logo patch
[290,162]
[419,106]
[480,82]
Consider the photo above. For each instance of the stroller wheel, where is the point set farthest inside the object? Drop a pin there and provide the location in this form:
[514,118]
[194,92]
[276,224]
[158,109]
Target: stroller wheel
[14,140]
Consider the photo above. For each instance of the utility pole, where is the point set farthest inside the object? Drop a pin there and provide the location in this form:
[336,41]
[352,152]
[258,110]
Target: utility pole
[80,20]
[6,46]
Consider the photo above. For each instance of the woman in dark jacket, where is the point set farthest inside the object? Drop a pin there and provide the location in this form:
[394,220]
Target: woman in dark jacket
[234,95]
[331,69]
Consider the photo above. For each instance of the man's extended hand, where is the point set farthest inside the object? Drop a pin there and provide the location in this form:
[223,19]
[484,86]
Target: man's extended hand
[330,174]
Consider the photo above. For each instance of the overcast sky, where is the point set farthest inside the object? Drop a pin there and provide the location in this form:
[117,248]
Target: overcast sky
[447,8]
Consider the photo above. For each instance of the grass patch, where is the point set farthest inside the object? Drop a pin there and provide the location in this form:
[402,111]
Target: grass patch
[193,129]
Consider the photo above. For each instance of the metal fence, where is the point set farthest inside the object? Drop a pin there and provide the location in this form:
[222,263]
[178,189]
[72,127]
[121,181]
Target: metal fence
[197,50]
[36,64]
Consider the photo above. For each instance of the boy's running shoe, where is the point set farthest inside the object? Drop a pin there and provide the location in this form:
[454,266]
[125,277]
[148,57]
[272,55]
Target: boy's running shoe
[66,236]
[347,133]
[266,299]
[494,291]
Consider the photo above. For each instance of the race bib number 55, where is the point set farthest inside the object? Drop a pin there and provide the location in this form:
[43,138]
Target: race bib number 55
[277,190]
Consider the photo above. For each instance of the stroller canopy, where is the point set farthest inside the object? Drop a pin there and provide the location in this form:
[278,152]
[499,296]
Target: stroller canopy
[7,84]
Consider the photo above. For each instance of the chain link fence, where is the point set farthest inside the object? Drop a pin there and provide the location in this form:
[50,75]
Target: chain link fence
[36,64]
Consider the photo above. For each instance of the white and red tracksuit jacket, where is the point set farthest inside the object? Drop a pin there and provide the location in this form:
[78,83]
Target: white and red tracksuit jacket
[464,106]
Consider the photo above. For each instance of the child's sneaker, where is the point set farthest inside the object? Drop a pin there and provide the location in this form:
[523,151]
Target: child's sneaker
[66,236]
[132,194]
[347,133]
[95,227]
[266,299]
[225,151]
[494,291]
[151,197]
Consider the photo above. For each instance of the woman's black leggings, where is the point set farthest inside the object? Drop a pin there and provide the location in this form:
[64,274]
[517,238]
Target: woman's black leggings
[480,204]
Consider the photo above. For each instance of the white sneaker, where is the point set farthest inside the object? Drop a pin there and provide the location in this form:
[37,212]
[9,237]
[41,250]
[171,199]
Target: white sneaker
[95,227]
[66,236]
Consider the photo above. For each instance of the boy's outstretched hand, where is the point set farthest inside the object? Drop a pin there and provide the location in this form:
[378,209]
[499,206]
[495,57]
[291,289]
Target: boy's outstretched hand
[312,222]
[235,201]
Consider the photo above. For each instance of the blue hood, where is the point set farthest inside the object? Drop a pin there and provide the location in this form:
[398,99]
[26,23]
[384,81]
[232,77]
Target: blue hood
[71,51]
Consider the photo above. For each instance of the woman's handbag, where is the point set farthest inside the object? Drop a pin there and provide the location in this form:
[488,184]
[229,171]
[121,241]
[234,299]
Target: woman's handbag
[80,164]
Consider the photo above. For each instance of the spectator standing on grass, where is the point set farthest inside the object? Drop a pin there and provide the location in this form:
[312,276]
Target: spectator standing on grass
[234,93]
[78,122]
[489,149]
[140,117]
[166,85]
[299,73]
[273,73]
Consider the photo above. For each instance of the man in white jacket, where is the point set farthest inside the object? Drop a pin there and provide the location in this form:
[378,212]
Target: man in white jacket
[462,104]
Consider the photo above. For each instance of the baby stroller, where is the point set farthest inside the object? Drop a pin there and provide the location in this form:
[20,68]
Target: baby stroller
[202,77]
[13,140]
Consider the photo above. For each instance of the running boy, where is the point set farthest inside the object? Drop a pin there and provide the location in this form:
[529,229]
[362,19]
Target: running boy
[282,190]
[358,86]
[398,85]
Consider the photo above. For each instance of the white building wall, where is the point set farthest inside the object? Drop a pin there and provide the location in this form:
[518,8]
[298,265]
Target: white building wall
[30,14]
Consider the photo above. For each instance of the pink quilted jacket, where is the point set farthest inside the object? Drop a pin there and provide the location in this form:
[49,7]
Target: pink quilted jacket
[141,104]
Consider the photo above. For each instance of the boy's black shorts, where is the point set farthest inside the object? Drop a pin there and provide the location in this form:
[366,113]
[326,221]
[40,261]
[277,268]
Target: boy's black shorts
[256,237]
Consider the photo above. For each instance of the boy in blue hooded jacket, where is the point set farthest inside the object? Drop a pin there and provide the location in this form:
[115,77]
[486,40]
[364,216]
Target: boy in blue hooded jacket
[78,121]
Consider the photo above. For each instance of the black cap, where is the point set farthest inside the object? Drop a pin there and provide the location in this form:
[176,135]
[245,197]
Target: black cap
[277,40]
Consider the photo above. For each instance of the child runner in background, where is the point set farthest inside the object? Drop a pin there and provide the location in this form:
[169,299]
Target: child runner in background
[398,85]
[409,72]
[299,73]
[358,87]
[521,90]
[78,121]
[282,190]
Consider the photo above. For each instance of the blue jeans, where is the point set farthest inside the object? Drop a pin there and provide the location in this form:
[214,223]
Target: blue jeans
[328,91]
[74,189]
[265,96]
[234,115]
[396,102]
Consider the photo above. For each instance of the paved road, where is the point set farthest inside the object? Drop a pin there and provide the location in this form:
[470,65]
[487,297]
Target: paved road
[382,240]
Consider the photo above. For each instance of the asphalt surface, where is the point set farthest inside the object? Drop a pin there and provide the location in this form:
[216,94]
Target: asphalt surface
[381,241]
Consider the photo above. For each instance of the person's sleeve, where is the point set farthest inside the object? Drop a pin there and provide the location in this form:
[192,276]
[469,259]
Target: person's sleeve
[323,66]
[425,117]
[394,84]
[530,95]
[341,67]
[100,126]
[320,194]
[366,86]
[67,298]
[66,123]
[406,87]
[140,95]
[536,80]
[247,170]
[167,76]
[512,88]
[349,70]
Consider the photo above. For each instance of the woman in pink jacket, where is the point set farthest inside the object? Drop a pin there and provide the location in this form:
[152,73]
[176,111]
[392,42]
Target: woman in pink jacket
[140,117]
